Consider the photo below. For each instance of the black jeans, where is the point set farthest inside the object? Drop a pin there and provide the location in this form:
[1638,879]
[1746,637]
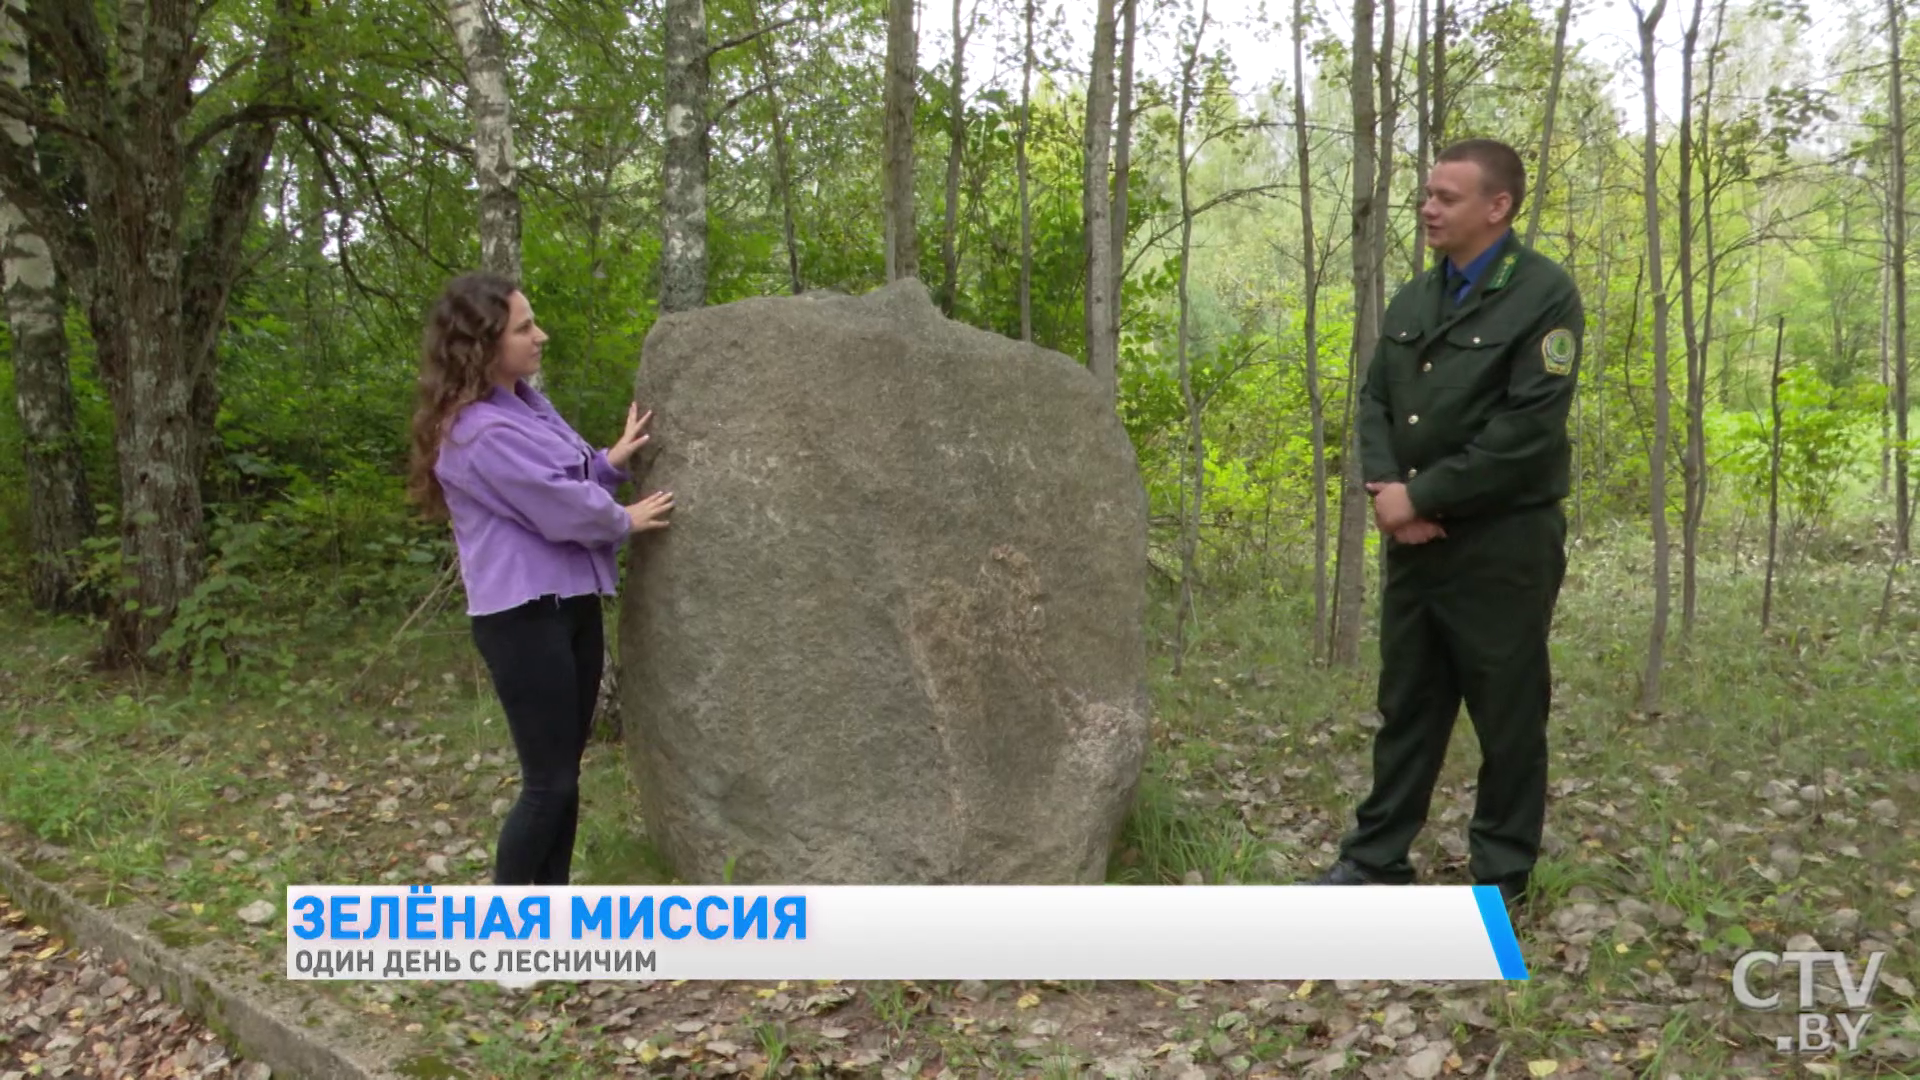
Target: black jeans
[545,657]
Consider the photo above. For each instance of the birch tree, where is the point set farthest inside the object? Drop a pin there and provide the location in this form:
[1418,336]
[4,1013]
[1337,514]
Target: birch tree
[155,266]
[683,205]
[490,106]
[59,512]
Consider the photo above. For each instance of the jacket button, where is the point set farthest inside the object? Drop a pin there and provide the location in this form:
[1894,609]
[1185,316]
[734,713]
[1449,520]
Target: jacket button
[1411,473]
[1428,366]
[1476,341]
[1413,419]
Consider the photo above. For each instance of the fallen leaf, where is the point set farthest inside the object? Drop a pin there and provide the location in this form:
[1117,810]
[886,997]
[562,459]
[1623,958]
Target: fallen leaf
[1543,1067]
[1027,1000]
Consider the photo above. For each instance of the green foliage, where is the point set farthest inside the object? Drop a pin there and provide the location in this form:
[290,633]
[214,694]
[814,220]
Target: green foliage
[220,628]
[1827,437]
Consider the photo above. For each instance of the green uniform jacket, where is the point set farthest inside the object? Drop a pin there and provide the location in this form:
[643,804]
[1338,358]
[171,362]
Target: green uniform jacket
[1467,404]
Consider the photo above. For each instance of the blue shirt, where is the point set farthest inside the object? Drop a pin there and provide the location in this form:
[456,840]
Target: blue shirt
[533,505]
[1460,280]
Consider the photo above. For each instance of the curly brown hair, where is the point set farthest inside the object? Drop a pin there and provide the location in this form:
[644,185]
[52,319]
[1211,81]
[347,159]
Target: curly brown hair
[457,352]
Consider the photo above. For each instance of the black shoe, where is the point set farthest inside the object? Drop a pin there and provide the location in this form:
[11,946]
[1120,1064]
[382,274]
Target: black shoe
[1348,872]
[1513,889]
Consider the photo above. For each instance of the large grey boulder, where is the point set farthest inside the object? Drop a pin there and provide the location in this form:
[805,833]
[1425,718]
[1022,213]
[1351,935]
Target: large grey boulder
[895,631]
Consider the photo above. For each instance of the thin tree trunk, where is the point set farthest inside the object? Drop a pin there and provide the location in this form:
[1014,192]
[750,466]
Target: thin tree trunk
[782,159]
[59,511]
[683,204]
[1423,129]
[1353,498]
[1438,120]
[1546,127]
[1383,186]
[1886,363]
[1662,396]
[1753,307]
[1597,463]
[490,104]
[1773,477]
[1897,185]
[212,257]
[1310,267]
[1693,461]
[1702,371]
[1021,168]
[903,58]
[956,154]
[1194,498]
[1122,172]
[1096,207]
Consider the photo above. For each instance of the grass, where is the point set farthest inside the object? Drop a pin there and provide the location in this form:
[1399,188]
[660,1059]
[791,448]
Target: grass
[1775,787]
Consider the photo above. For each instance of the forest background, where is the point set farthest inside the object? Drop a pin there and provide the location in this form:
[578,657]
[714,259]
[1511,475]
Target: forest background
[223,222]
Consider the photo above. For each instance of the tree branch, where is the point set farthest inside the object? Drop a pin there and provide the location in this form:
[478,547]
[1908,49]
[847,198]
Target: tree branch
[26,189]
[743,95]
[749,36]
[17,106]
[1223,197]
[254,113]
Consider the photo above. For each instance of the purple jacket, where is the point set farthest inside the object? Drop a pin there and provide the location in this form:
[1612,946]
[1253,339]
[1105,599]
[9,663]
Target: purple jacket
[532,504]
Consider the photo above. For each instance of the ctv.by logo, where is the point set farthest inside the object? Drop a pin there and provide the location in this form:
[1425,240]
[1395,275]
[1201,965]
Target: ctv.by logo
[1814,1034]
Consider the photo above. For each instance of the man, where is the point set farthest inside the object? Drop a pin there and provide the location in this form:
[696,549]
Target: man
[1463,438]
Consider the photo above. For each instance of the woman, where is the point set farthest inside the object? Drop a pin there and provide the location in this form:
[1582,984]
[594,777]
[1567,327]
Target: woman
[537,527]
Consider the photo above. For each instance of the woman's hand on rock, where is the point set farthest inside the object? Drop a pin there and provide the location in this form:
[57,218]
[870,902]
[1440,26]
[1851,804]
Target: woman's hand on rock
[651,512]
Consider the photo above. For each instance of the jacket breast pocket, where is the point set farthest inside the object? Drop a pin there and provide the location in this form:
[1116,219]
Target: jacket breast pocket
[1471,357]
[1400,349]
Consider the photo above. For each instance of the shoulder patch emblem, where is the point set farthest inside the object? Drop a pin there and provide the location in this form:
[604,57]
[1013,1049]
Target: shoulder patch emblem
[1556,350]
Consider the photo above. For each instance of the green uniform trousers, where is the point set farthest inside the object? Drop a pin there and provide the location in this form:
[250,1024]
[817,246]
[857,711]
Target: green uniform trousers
[1465,618]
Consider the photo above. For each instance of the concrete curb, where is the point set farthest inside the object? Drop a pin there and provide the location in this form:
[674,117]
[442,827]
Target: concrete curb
[296,1033]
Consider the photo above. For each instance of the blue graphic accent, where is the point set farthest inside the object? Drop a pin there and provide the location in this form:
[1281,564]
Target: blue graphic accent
[1506,947]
